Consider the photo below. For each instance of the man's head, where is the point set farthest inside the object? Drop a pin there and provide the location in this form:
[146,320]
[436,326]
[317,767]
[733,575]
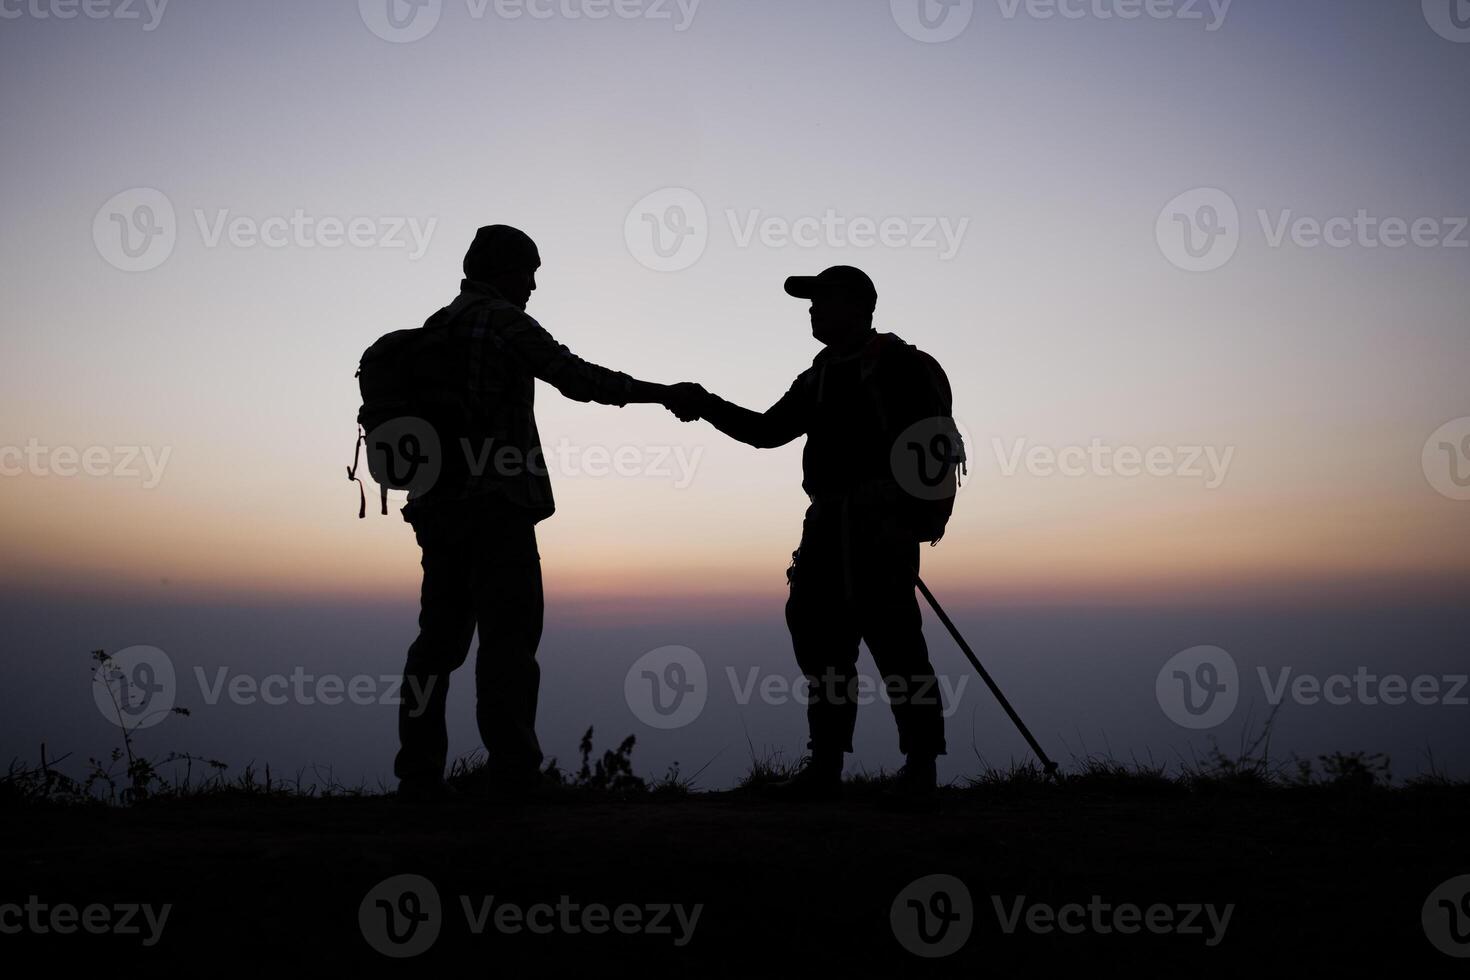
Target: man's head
[506,258]
[843,301]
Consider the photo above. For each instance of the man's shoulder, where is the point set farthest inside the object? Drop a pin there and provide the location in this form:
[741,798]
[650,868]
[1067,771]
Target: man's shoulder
[487,312]
[901,350]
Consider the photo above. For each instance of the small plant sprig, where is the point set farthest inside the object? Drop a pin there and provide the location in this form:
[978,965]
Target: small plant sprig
[142,774]
[612,773]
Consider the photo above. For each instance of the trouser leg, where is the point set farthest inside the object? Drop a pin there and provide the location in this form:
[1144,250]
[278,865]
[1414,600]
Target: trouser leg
[510,608]
[825,640]
[892,626]
[446,627]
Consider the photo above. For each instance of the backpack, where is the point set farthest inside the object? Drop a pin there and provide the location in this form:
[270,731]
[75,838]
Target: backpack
[928,457]
[413,385]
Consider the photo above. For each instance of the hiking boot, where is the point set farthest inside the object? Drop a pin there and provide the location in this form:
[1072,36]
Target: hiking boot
[425,790]
[916,785]
[819,780]
[516,787]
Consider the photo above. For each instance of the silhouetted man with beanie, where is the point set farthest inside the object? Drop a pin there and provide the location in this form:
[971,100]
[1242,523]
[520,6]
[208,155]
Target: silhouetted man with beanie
[476,524]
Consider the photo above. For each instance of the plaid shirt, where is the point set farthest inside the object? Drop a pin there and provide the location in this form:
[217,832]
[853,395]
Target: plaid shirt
[505,352]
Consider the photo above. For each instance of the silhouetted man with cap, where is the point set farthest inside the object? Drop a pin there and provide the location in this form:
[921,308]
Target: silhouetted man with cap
[476,524]
[859,405]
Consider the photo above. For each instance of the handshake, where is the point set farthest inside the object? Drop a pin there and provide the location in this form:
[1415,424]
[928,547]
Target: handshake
[687,401]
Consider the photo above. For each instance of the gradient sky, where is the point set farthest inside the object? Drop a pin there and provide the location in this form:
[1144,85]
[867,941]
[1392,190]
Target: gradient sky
[1060,320]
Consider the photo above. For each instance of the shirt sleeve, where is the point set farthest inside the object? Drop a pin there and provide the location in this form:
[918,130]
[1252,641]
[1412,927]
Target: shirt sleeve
[781,423]
[531,344]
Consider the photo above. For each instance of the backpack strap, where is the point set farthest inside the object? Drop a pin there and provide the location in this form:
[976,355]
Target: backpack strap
[352,476]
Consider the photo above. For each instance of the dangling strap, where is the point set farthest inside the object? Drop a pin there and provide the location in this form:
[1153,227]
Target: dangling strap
[352,474]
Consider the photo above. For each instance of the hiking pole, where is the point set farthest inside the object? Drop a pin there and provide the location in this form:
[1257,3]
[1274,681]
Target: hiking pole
[1051,767]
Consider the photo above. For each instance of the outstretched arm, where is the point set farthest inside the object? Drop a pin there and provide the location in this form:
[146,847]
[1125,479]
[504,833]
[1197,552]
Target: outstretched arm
[780,424]
[569,374]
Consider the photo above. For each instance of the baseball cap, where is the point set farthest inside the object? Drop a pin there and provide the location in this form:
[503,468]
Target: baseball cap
[841,282]
[497,248]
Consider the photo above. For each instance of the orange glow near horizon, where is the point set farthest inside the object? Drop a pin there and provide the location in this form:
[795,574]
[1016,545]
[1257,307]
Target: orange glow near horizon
[80,536]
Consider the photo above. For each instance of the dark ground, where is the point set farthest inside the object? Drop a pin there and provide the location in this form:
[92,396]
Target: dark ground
[1318,876]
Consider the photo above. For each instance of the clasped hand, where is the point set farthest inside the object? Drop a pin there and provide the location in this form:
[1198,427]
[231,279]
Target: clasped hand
[687,401]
